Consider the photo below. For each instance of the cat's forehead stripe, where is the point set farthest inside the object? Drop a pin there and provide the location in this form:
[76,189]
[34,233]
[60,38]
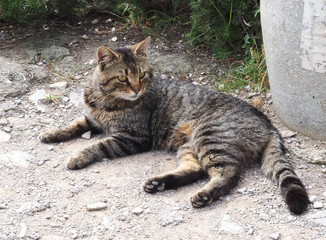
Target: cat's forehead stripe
[128,58]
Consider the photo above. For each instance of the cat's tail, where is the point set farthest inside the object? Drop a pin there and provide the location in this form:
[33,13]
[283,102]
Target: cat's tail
[277,167]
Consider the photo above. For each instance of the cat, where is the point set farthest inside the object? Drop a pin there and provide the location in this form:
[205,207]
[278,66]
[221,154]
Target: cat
[212,133]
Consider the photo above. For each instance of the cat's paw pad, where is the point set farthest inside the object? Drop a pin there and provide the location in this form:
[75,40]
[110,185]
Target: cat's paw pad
[77,162]
[153,185]
[201,199]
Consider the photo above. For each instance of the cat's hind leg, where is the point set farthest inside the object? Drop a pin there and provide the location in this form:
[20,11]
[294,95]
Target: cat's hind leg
[224,172]
[76,128]
[187,172]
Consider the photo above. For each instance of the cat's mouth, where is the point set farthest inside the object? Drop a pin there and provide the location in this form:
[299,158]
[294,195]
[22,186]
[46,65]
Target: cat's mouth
[131,96]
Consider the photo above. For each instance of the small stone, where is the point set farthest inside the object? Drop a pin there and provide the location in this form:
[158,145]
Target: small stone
[288,133]
[4,137]
[85,36]
[264,216]
[107,223]
[242,190]
[275,236]
[313,198]
[2,206]
[170,217]
[7,129]
[318,205]
[230,227]
[40,163]
[137,211]
[92,62]
[3,122]
[250,231]
[96,206]
[114,39]
[59,85]
[23,230]
[87,135]
[95,21]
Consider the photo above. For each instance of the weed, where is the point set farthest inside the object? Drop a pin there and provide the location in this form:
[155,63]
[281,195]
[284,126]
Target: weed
[53,98]
[250,74]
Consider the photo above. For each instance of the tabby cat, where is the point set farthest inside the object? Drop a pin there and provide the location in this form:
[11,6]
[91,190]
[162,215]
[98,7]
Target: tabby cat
[213,133]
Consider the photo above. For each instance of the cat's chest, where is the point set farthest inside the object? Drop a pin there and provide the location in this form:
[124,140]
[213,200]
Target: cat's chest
[117,120]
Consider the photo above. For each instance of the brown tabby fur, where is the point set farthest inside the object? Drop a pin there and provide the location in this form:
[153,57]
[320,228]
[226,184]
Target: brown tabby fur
[213,133]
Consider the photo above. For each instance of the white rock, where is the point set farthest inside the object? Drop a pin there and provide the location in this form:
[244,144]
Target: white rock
[4,137]
[92,62]
[313,198]
[87,135]
[318,205]
[107,223]
[96,206]
[318,218]
[59,85]
[288,133]
[95,21]
[242,190]
[3,122]
[2,206]
[264,216]
[23,230]
[275,236]
[17,158]
[171,217]
[76,98]
[114,39]
[230,227]
[137,211]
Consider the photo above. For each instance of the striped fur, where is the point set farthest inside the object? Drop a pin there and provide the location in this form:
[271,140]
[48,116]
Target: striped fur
[213,133]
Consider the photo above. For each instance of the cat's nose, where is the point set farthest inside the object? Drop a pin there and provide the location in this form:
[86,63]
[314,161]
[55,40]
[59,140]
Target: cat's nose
[135,89]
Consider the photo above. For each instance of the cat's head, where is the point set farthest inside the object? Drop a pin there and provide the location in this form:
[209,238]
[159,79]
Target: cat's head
[123,73]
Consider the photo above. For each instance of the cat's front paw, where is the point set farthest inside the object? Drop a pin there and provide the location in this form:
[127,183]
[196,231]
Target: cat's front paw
[153,185]
[201,199]
[51,136]
[78,161]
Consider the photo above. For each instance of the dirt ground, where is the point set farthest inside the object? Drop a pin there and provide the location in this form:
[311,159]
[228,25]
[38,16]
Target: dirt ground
[41,199]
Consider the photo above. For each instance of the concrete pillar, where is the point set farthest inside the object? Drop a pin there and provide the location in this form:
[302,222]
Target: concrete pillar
[294,35]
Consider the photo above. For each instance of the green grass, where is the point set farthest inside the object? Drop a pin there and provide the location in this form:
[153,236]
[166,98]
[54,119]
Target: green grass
[250,74]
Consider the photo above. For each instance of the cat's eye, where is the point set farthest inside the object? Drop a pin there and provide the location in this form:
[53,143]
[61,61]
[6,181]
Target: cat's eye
[141,75]
[122,78]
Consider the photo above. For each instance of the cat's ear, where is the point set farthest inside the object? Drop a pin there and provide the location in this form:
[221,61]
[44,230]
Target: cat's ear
[105,56]
[141,48]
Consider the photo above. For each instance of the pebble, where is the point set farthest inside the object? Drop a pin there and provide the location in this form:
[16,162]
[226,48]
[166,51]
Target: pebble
[137,211]
[96,206]
[230,227]
[95,21]
[275,236]
[318,205]
[2,206]
[59,85]
[87,135]
[264,216]
[114,39]
[288,133]
[4,137]
[3,122]
[107,223]
[23,230]
[92,62]
[170,217]
[313,198]
[242,190]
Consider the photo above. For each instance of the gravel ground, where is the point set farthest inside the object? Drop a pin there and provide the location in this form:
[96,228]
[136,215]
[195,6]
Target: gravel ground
[41,199]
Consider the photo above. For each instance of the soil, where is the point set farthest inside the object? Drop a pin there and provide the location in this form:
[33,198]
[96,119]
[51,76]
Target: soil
[41,199]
